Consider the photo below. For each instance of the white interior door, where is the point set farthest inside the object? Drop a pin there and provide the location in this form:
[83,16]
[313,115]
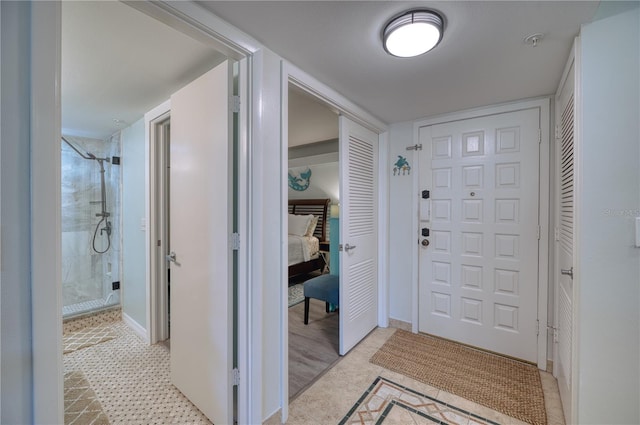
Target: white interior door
[358,233]
[564,238]
[201,275]
[479,273]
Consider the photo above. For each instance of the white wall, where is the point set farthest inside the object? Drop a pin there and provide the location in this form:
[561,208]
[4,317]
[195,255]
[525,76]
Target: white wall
[401,232]
[16,370]
[133,284]
[608,269]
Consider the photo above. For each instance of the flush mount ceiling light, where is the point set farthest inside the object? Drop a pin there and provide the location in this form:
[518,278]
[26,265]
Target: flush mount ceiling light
[413,33]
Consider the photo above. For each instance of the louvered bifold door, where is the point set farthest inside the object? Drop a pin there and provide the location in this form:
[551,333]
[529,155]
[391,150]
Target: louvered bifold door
[358,233]
[564,291]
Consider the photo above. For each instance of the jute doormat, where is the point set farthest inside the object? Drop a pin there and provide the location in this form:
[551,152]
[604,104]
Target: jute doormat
[508,386]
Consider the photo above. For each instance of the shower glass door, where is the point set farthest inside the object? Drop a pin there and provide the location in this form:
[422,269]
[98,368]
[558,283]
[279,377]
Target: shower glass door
[90,224]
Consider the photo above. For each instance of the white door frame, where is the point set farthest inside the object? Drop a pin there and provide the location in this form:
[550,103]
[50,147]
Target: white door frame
[543,104]
[340,105]
[157,308]
[46,29]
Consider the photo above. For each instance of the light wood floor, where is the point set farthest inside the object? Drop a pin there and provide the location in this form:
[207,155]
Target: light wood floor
[313,348]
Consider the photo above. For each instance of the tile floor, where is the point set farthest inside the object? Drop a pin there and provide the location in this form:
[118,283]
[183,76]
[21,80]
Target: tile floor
[131,382]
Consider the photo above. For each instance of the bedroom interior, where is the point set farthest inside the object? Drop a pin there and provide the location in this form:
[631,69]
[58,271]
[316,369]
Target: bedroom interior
[313,177]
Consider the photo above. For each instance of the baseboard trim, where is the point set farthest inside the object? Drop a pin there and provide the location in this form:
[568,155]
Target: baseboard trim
[136,327]
[400,324]
[274,419]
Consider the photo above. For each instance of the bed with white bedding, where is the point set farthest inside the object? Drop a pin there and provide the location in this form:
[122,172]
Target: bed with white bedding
[303,248]
[307,229]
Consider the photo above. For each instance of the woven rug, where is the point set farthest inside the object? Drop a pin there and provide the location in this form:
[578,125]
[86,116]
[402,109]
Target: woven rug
[508,386]
[386,402]
[296,294]
[81,406]
[86,338]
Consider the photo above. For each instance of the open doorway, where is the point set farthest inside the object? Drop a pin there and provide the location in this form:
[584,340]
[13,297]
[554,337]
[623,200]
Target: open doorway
[199,79]
[313,189]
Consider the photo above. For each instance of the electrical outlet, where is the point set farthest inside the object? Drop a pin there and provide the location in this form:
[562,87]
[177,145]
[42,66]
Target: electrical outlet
[115,285]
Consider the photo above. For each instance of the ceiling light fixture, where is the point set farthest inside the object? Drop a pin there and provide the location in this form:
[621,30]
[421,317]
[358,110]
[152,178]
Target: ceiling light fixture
[413,33]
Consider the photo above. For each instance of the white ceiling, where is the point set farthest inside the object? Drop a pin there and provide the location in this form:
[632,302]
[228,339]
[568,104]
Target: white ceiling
[118,63]
[481,60]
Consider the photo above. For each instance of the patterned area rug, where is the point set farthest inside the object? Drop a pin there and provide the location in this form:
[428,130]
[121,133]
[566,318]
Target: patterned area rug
[86,338]
[81,406]
[508,386]
[386,402]
[296,294]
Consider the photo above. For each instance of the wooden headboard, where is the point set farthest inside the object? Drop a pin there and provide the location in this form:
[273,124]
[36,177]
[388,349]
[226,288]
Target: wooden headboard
[318,207]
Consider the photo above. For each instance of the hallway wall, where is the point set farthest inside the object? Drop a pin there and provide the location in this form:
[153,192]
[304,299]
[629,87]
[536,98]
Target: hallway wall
[608,268]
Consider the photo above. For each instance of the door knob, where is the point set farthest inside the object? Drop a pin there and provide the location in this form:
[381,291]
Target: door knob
[425,242]
[171,257]
[567,272]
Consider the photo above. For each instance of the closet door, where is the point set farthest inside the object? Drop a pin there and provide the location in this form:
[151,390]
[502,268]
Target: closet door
[358,233]
[563,333]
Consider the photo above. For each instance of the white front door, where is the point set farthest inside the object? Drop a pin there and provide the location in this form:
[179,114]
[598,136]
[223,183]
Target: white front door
[565,125]
[479,273]
[358,233]
[201,274]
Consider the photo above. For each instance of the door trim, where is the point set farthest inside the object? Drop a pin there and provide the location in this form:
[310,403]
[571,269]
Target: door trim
[543,105]
[341,105]
[45,240]
[157,311]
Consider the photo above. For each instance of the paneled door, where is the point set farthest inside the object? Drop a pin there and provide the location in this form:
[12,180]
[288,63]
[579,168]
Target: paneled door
[479,273]
[201,261]
[358,233]
[563,334]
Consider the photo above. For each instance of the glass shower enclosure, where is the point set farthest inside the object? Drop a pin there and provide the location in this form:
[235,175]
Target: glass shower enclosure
[91,248]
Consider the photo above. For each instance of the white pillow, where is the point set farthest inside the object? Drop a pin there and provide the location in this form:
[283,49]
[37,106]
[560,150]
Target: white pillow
[299,224]
[312,225]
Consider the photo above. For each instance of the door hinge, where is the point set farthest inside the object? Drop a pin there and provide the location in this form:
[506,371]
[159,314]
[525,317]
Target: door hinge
[557,234]
[537,327]
[539,230]
[539,136]
[555,332]
[235,376]
[558,132]
[234,104]
[235,241]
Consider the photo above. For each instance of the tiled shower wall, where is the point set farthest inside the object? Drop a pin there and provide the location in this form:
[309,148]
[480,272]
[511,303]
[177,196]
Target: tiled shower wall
[87,275]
